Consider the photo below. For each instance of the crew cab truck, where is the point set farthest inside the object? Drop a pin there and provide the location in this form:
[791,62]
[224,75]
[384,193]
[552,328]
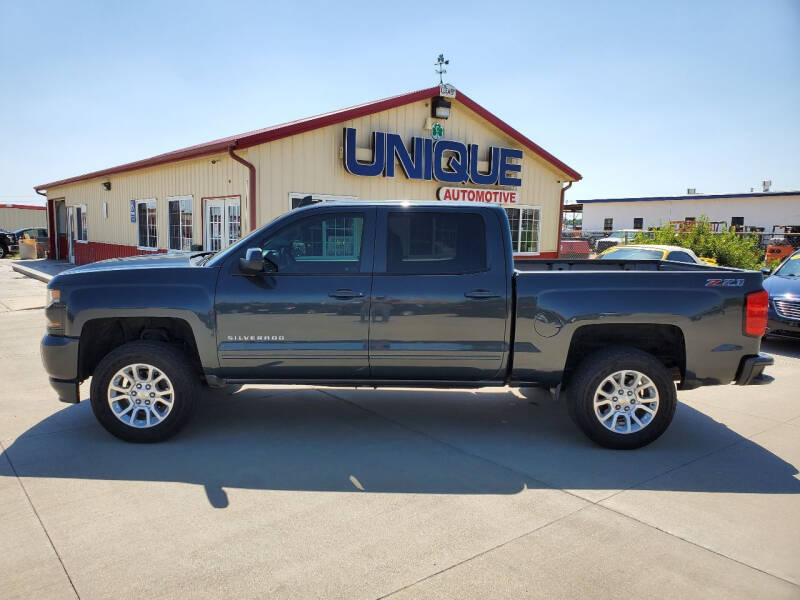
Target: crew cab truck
[399,294]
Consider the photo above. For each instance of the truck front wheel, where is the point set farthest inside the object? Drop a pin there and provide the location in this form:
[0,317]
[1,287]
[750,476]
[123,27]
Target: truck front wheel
[622,398]
[144,391]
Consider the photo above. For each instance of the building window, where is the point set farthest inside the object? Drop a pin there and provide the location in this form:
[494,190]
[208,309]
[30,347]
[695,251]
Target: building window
[737,222]
[81,225]
[608,224]
[179,210]
[525,229]
[298,200]
[146,224]
[638,222]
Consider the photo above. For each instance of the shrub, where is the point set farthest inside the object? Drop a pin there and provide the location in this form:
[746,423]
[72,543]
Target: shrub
[728,248]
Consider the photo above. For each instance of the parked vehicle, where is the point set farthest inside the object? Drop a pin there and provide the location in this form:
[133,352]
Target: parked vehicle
[783,287]
[617,238]
[784,241]
[574,247]
[39,234]
[399,294]
[654,252]
[8,243]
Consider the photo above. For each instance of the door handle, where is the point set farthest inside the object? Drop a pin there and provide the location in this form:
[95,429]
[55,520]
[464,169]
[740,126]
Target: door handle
[346,294]
[480,294]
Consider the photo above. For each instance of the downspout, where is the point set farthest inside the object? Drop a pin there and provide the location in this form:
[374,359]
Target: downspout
[51,224]
[561,216]
[252,169]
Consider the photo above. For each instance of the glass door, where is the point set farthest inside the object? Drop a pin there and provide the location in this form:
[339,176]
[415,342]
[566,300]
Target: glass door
[71,233]
[223,223]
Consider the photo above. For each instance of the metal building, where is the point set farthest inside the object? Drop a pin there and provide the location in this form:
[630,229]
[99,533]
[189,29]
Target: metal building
[429,144]
[19,216]
[754,210]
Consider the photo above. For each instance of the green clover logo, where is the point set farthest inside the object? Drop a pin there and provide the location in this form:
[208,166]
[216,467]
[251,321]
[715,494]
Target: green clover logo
[437,131]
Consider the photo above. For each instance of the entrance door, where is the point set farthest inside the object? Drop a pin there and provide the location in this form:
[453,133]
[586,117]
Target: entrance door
[71,224]
[222,223]
[62,251]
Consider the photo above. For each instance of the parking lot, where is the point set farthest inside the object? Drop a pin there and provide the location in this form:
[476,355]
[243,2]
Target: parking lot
[303,492]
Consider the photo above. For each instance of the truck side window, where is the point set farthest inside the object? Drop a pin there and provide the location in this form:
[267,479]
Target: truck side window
[680,257]
[320,244]
[435,243]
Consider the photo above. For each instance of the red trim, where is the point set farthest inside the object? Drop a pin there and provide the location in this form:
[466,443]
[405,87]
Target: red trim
[93,251]
[276,132]
[540,256]
[23,206]
[252,180]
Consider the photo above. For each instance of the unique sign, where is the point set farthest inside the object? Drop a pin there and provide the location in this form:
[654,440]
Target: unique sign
[133,211]
[426,160]
[437,131]
[458,194]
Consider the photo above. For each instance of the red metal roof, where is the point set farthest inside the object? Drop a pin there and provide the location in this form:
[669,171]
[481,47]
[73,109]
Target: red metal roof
[24,206]
[276,132]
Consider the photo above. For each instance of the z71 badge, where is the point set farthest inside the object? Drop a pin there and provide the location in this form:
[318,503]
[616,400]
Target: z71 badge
[724,282]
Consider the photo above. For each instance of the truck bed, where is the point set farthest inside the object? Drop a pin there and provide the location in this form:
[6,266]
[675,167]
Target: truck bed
[697,307]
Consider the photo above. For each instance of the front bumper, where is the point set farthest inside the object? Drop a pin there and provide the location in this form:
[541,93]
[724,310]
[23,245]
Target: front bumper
[60,360]
[751,370]
[782,326]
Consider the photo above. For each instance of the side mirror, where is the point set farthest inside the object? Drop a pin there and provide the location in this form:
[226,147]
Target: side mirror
[253,262]
[766,271]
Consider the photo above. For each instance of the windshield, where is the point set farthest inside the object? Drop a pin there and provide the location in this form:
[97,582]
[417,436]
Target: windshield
[791,268]
[633,254]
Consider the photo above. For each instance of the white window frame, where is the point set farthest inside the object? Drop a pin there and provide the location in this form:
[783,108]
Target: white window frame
[521,207]
[82,224]
[148,202]
[180,199]
[323,197]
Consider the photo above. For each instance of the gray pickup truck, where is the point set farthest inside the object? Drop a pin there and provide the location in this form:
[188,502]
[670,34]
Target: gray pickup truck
[399,294]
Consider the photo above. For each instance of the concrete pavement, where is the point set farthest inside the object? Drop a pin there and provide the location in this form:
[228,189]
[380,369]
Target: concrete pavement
[275,492]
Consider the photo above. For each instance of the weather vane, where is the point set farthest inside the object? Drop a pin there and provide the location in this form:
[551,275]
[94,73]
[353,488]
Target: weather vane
[440,63]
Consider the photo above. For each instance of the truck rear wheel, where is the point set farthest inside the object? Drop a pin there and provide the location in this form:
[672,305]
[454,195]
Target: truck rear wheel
[144,391]
[622,398]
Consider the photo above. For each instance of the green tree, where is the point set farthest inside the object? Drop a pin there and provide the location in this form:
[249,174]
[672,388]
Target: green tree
[730,249]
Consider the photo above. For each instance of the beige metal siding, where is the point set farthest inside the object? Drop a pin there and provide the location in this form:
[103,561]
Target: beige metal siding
[312,162]
[12,219]
[205,177]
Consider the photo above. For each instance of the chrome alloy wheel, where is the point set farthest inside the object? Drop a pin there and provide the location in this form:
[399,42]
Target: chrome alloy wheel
[626,402]
[140,395]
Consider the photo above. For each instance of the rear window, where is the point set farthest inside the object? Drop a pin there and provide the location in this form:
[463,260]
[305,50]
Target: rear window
[435,243]
[633,254]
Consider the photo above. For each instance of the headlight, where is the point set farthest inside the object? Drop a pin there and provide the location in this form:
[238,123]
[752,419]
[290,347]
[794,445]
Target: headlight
[55,312]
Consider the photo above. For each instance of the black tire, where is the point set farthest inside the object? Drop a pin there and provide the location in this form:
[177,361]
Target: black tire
[167,359]
[591,373]
[3,251]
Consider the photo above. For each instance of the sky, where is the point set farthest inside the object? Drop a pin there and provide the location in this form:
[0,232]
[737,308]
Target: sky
[642,98]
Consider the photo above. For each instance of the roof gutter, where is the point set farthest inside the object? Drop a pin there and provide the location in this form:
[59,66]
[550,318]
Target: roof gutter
[252,169]
[561,216]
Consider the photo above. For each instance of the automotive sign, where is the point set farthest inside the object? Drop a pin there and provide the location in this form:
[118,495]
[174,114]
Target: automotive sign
[476,195]
[426,160]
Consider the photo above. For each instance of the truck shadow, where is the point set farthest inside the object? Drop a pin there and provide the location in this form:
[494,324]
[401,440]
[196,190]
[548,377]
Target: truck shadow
[399,441]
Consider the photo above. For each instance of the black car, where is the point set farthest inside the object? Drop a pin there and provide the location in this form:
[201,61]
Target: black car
[784,298]
[8,243]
